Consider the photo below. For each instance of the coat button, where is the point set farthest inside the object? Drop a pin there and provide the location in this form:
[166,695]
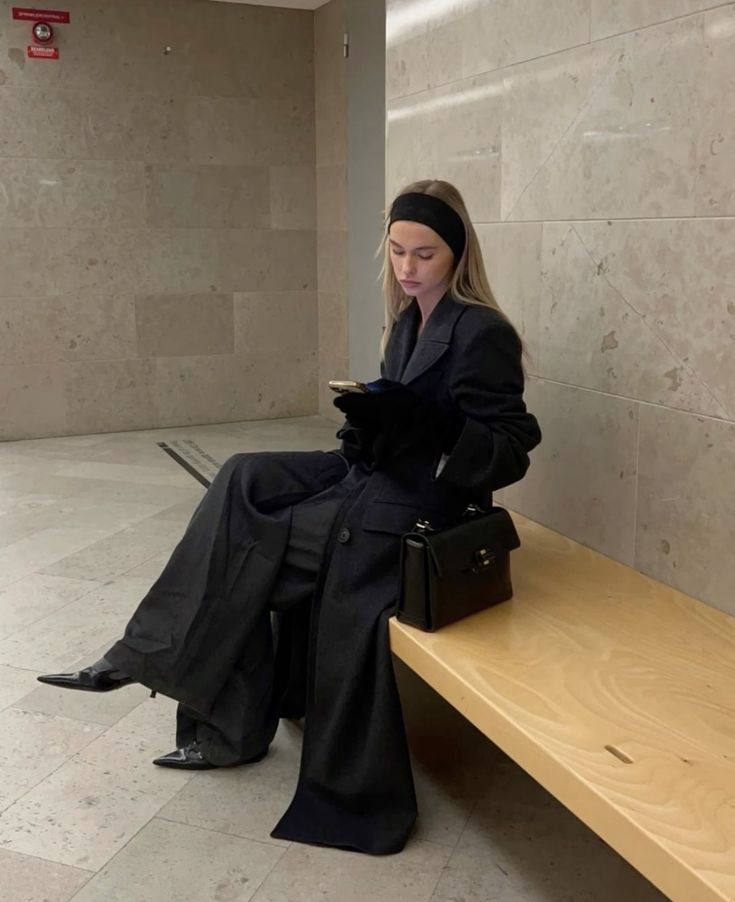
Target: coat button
[344,535]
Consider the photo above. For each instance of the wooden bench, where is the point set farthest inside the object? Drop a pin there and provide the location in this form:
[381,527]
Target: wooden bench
[616,693]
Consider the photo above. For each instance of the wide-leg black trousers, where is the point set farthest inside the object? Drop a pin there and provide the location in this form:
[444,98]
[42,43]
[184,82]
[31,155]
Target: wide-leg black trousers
[265,673]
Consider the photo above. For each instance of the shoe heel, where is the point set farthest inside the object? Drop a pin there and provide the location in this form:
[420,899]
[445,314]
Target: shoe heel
[153,693]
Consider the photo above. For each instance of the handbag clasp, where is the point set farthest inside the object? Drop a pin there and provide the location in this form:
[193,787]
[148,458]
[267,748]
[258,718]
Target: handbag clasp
[483,559]
[472,510]
[423,526]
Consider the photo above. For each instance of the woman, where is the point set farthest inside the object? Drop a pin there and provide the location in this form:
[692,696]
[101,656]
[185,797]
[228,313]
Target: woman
[314,537]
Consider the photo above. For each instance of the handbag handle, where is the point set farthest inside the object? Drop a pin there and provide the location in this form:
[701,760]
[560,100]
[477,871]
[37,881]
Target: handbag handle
[472,510]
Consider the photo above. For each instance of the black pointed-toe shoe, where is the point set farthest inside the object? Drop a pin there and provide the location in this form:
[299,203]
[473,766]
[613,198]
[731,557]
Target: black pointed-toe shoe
[189,757]
[98,677]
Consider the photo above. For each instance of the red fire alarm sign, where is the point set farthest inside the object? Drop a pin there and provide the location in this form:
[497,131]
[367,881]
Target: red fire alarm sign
[41,15]
[44,53]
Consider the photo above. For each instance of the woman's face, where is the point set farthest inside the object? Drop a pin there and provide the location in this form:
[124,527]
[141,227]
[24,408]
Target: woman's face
[422,261]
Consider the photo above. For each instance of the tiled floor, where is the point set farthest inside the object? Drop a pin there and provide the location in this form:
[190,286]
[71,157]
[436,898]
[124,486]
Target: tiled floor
[85,525]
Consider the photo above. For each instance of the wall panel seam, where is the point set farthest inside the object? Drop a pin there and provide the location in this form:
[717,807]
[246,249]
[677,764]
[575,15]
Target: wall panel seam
[641,401]
[699,12]
[601,39]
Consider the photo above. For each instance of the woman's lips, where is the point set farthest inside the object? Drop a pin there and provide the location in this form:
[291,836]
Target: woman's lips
[408,284]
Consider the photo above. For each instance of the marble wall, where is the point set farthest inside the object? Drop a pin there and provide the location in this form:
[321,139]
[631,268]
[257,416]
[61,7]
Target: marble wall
[330,89]
[594,141]
[157,218]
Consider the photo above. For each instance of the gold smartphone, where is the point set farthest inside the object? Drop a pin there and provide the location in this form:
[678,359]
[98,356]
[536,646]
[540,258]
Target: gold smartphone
[344,386]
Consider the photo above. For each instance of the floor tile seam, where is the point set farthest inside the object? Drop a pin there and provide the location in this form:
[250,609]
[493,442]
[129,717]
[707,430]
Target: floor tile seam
[16,667]
[146,454]
[153,460]
[162,432]
[123,573]
[31,493]
[455,848]
[51,773]
[140,520]
[42,518]
[6,550]
[17,456]
[118,852]
[8,585]
[56,861]
[286,850]
[114,781]
[173,820]
[84,481]
[119,575]
[86,882]
[15,702]
[102,500]
[29,530]
[72,758]
[76,756]
[94,584]
[73,867]
[124,518]
[121,527]
[173,484]
[92,723]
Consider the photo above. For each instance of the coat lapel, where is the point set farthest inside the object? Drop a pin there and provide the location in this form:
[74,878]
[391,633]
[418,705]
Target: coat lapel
[434,340]
[401,344]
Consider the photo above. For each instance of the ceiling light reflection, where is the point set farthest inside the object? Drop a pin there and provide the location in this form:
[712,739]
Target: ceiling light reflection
[411,17]
[725,28]
[444,102]
[607,135]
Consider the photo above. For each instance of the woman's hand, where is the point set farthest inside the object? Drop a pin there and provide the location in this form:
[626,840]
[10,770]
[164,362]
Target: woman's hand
[386,404]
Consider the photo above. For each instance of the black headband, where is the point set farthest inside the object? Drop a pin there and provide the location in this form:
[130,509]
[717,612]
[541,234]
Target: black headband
[434,213]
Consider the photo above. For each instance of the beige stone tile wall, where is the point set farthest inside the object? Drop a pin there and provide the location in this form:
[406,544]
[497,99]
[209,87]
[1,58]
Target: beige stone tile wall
[150,204]
[331,193]
[594,142]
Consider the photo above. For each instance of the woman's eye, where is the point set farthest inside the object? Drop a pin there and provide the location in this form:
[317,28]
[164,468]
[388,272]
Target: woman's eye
[403,254]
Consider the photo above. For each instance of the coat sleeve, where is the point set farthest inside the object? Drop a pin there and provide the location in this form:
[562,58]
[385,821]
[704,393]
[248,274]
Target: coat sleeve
[486,387]
[355,443]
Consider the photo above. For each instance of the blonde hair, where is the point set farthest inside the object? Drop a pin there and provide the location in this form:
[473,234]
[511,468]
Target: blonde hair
[469,283]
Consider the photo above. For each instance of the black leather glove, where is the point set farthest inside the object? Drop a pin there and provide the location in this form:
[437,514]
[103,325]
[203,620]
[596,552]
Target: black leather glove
[401,417]
[386,403]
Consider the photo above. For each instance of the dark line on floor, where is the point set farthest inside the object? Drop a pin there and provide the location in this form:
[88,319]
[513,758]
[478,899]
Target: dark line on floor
[192,471]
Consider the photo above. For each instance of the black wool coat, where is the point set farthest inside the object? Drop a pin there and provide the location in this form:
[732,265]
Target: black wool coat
[355,788]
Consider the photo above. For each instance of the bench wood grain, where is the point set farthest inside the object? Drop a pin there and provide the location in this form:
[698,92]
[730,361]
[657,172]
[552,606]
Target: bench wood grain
[616,693]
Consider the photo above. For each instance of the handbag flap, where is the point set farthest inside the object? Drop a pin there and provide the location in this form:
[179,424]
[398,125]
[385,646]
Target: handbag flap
[456,548]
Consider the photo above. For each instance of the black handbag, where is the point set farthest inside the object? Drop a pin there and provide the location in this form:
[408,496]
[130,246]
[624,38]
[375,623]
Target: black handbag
[447,574]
